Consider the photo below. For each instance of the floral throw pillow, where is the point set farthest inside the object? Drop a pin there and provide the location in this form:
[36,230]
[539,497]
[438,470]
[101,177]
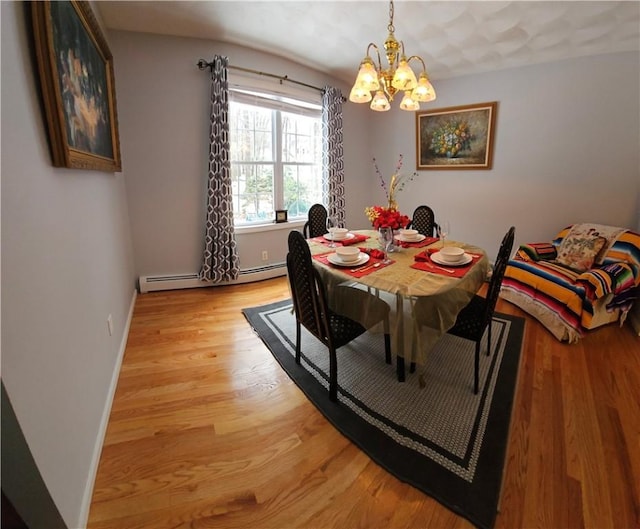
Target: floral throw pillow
[578,251]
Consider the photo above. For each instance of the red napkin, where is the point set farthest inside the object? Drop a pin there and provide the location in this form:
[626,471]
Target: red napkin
[425,256]
[360,271]
[426,242]
[354,240]
[372,252]
[345,242]
[424,262]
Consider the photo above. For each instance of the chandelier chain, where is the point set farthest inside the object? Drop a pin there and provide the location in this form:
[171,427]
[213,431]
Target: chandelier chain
[390,26]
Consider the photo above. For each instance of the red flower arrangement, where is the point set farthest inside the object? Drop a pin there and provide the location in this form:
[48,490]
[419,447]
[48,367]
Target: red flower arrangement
[382,217]
[389,217]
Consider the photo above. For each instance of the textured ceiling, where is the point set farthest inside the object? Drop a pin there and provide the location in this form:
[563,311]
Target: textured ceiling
[454,38]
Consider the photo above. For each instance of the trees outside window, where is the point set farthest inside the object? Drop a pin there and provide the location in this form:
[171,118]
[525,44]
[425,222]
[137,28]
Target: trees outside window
[276,157]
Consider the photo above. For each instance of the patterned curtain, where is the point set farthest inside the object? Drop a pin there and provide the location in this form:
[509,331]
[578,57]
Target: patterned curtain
[333,157]
[220,261]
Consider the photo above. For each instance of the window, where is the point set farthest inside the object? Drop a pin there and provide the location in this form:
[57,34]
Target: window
[276,156]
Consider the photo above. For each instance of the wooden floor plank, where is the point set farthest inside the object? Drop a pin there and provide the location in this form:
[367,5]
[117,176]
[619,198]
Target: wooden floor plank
[206,430]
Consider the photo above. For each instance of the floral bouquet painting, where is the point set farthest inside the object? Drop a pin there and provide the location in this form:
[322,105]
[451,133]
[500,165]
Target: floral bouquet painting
[451,138]
[456,137]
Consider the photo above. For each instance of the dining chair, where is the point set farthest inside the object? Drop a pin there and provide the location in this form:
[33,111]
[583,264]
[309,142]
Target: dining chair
[316,224]
[312,311]
[476,317]
[423,220]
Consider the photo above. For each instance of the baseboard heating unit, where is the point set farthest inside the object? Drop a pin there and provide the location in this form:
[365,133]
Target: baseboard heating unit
[180,281]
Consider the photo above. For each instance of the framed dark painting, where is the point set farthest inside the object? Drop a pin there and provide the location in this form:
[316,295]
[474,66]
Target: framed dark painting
[77,82]
[456,137]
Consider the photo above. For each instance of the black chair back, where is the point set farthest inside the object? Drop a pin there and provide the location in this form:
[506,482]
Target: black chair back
[423,220]
[476,317]
[499,267]
[312,310]
[307,294]
[316,224]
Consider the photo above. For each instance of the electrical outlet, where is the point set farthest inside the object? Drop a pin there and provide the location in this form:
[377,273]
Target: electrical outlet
[265,255]
[110,325]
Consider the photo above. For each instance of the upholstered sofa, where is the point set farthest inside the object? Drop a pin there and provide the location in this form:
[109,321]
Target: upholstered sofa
[586,277]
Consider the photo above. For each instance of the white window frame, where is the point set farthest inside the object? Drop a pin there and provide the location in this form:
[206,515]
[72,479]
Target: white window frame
[285,100]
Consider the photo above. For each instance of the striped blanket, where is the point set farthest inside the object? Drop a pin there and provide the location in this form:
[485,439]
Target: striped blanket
[569,294]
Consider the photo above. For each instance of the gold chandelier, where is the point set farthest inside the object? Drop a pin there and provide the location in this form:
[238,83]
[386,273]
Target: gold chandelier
[399,76]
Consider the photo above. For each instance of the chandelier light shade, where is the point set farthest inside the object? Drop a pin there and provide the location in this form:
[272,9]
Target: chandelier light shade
[380,103]
[408,103]
[359,95]
[385,83]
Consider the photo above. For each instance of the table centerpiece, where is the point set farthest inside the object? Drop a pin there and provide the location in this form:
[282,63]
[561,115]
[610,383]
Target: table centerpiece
[389,216]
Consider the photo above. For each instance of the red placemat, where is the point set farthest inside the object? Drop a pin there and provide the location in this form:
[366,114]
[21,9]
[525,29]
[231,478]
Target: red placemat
[355,240]
[426,242]
[424,262]
[347,242]
[361,271]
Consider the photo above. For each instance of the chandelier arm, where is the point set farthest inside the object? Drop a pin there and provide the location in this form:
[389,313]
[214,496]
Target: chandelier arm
[371,44]
[424,67]
[381,77]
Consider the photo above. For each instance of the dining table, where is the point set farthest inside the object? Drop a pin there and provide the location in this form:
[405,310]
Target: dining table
[410,274]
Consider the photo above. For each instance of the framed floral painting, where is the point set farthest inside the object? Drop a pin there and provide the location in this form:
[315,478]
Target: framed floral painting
[456,137]
[77,81]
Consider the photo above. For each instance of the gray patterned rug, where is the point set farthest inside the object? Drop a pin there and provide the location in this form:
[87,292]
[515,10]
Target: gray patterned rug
[442,439]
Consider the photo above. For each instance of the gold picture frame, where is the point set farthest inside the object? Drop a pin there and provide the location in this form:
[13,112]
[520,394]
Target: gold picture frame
[77,82]
[456,137]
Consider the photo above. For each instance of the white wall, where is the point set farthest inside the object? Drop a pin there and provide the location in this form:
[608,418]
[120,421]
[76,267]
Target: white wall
[67,263]
[164,111]
[566,150]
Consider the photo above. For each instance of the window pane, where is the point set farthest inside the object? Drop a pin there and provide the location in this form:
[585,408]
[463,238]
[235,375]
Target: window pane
[302,188]
[258,172]
[252,189]
[250,133]
[302,138]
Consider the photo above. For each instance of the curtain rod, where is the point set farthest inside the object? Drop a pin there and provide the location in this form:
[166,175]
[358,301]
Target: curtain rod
[202,64]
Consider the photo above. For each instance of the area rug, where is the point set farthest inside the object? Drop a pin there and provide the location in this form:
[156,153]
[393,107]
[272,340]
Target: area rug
[442,439]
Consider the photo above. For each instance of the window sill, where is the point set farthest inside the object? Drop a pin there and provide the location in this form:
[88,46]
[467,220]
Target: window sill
[271,226]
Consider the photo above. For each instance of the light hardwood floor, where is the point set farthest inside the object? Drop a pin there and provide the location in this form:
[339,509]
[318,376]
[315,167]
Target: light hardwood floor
[206,430]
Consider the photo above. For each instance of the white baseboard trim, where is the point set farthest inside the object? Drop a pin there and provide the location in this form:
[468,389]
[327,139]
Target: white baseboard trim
[104,422]
[191,280]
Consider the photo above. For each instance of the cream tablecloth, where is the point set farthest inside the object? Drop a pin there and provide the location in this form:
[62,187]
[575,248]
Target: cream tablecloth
[414,332]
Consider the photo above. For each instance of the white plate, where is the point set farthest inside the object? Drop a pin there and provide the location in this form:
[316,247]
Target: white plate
[329,237]
[334,259]
[436,258]
[419,238]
